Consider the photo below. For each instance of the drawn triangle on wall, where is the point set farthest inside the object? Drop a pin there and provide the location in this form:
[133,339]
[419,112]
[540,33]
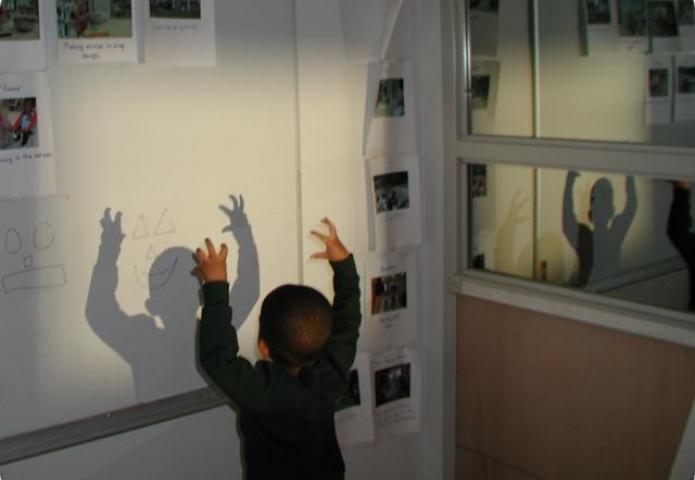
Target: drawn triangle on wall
[141,230]
[165,225]
[151,254]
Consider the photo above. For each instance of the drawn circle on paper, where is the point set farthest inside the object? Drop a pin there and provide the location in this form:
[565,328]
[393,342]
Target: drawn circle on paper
[44,236]
[13,241]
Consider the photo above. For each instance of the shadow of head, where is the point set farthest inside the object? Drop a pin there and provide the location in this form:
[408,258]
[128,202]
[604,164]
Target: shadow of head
[173,288]
[602,209]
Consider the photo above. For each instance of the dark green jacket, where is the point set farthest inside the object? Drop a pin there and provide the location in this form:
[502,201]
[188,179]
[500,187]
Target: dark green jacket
[286,422]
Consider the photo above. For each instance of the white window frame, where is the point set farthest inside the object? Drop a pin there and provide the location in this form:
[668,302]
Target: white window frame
[624,158]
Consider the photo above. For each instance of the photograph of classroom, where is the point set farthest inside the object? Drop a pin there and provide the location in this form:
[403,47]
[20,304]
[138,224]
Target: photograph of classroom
[176,9]
[19,20]
[508,260]
[18,123]
[94,18]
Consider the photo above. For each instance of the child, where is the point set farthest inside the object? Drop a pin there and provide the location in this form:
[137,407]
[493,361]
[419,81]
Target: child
[287,400]
[26,122]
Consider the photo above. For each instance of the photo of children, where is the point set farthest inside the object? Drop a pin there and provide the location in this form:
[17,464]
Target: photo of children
[658,82]
[484,5]
[662,18]
[686,80]
[389,293]
[19,20]
[632,18]
[18,123]
[176,9]
[351,397]
[94,18]
[598,12]
[392,384]
[686,12]
[480,91]
[391,191]
[391,98]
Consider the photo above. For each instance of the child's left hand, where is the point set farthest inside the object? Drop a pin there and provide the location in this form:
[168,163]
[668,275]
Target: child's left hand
[212,267]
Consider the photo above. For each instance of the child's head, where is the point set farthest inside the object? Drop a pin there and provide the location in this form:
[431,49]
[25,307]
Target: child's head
[295,324]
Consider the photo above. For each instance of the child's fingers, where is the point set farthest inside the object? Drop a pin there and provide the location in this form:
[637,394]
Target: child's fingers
[321,236]
[223,252]
[200,256]
[211,248]
[319,255]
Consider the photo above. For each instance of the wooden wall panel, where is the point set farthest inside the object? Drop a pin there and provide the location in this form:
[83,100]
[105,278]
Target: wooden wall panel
[566,400]
[474,466]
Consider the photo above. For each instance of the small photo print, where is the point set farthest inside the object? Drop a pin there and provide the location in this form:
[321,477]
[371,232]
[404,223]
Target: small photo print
[480,91]
[478,176]
[392,384]
[632,18]
[94,19]
[658,82]
[389,293]
[19,20]
[662,18]
[492,6]
[390,100]
[175,9]
[686,12]
[391,192]
[686,80]
[351,396]
[598,12]
[18,123]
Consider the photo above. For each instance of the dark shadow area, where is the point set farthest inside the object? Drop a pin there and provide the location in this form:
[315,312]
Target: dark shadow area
[163,360]
[598,246]
[682,238]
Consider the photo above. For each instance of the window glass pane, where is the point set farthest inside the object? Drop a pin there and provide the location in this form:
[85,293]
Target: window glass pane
[501,200]
[501,80]
[620,236]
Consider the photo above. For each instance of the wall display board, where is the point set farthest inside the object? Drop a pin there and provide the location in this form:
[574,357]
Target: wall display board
[98,306]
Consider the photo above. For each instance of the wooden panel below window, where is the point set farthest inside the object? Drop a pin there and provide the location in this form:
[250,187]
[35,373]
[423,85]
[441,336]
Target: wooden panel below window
[564,400]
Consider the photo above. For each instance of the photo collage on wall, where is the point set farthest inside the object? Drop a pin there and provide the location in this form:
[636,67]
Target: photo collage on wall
[669,81]
[35,34]
[384,394]
[640,26]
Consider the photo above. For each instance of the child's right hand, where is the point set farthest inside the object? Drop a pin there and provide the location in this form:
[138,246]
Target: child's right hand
[212,267]
[335,250]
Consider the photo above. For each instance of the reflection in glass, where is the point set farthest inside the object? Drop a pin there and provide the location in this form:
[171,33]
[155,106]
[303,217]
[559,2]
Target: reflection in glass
[620,236]
[618,71]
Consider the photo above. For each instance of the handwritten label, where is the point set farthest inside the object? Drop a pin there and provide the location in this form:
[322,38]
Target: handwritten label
[17,157]
[93,51]
[11,88]
[174,27]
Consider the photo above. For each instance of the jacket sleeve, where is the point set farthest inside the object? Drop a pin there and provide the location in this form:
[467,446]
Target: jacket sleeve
[342,345]
[245,384]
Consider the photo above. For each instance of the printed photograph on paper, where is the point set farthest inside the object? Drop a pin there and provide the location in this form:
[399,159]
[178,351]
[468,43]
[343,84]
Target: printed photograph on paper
[391,192]
[658,82]
[686,80]
[351,397]
[389,293]
[390,100]
[598,12]
[18,123]
[392,384]
[632,18]
[19,20]
[86,19]
[175,9]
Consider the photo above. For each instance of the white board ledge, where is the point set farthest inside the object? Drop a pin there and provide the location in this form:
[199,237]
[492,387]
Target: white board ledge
[634,318]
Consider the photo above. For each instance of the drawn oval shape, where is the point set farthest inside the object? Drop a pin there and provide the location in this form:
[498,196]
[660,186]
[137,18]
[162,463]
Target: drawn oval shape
[44,236]
[13,241]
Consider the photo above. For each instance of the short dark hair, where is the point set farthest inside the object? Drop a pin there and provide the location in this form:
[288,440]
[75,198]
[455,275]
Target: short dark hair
[295,322]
